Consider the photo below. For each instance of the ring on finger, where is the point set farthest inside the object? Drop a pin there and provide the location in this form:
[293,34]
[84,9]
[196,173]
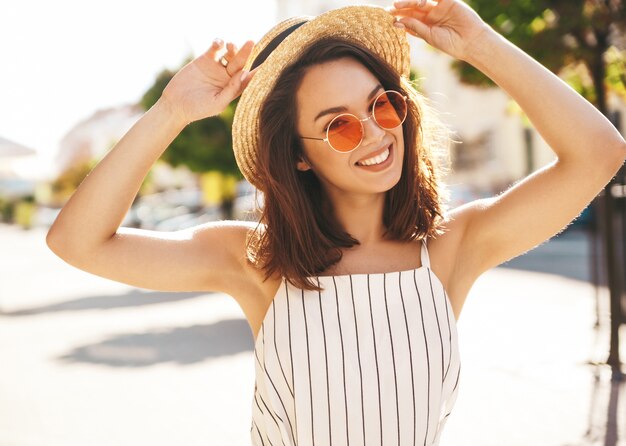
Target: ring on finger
[224,62]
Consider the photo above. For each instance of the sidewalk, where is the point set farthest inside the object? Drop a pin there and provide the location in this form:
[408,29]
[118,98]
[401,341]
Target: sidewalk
[87,361]
[527,340]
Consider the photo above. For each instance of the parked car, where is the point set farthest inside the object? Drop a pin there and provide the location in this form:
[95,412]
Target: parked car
[151,210]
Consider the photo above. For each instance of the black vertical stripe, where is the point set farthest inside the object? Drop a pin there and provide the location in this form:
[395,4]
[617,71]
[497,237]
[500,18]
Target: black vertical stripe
[419,299]
[458,374]
[438,326]
[276,350]
[445,304]
[275,425]
[408,339]
[423,254]
[330,432]
[358,354]
[380,410]
[455,386]
[308,357]
[393,356]
[343,364]
[259,433]
[274,415]
[291,358]
[256,400]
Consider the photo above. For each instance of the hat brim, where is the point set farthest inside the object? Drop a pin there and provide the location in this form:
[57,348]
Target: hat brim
[369,26]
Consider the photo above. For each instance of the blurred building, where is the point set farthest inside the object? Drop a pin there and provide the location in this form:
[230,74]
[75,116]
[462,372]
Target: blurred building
[93,137]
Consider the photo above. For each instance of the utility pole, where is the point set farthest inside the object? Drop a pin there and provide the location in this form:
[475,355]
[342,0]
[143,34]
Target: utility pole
[614,268]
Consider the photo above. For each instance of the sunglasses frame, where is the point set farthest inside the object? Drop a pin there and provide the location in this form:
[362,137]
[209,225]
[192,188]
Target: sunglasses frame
[361,121]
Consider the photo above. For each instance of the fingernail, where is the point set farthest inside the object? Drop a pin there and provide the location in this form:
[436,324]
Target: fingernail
[399,25]
[244,75]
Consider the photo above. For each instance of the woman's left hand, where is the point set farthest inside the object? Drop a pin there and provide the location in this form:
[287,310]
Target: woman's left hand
[448,25]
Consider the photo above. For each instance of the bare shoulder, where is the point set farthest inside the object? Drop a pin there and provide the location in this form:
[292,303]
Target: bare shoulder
[235,235]
[250,289]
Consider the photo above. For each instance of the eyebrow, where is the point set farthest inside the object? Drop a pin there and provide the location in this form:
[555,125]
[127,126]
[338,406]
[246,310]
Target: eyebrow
[343,108]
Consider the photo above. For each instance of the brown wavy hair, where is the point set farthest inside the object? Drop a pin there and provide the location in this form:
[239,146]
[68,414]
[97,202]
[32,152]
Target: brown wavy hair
[298,235]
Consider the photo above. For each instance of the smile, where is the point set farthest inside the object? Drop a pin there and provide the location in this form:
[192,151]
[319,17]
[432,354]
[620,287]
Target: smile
[378,162]
[375,160]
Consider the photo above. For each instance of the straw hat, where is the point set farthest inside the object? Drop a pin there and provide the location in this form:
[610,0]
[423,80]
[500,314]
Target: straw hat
[370,26]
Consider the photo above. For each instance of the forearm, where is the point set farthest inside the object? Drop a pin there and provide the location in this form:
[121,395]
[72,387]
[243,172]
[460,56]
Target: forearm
[96,209]
[573,127]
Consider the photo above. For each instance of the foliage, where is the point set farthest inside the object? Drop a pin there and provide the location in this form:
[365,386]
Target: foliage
[7,209]
[561,34]
[203,145]
[616,70]
[67,182]
[415,77]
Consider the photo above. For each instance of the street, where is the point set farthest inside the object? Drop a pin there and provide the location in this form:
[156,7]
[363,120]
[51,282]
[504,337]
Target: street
[88,361]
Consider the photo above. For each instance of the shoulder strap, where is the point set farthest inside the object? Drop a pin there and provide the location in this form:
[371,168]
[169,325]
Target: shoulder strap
[424,254]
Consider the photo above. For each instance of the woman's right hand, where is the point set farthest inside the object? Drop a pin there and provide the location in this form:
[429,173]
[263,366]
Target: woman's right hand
[204,87]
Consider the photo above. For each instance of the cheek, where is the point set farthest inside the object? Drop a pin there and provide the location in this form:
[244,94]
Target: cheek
[399,137]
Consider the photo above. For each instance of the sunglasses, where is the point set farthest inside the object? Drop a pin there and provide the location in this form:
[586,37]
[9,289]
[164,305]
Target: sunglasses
[345,132]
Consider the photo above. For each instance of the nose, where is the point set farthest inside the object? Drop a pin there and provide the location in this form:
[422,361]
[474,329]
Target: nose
[372,132]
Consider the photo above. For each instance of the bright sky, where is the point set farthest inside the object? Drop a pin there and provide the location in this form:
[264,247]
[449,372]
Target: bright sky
[62,60]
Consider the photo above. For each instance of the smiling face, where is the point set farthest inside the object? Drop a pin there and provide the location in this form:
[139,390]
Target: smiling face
[310,217]
[346,86]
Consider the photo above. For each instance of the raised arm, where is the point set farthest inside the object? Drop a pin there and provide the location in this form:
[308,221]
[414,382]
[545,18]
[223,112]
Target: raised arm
[87,232]
[588,147]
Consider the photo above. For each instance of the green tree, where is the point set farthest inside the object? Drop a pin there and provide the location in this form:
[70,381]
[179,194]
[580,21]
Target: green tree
[579,39]
[584,42]
[203,145]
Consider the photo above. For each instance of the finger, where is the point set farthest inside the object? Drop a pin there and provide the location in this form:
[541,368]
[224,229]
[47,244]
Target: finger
[231,50]
[214,48]
[239,59]
[249,77]
[253,72]
[425,5]
[226,59]
[408,12]
[226,56]
[415,27]
[234,87]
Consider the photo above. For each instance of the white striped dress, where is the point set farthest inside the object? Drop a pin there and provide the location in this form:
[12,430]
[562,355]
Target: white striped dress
[372,360]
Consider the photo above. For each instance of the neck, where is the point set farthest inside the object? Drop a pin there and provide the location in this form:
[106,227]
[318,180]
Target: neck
[361,216]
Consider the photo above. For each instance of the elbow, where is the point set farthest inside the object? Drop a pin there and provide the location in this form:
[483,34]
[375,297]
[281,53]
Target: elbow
[54,236]
[613,157]
[58,242]
[607,149]
[54,241]
[61,246]
[618,155]
[60,239]
[70,246]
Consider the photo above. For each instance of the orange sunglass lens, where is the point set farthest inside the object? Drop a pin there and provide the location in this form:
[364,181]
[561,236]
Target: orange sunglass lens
[345,133]
[390,110]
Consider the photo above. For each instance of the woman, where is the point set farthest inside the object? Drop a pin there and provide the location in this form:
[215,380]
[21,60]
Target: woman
[356,275]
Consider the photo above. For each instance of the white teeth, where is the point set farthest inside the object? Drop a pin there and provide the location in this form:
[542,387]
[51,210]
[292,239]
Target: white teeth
[375,160]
